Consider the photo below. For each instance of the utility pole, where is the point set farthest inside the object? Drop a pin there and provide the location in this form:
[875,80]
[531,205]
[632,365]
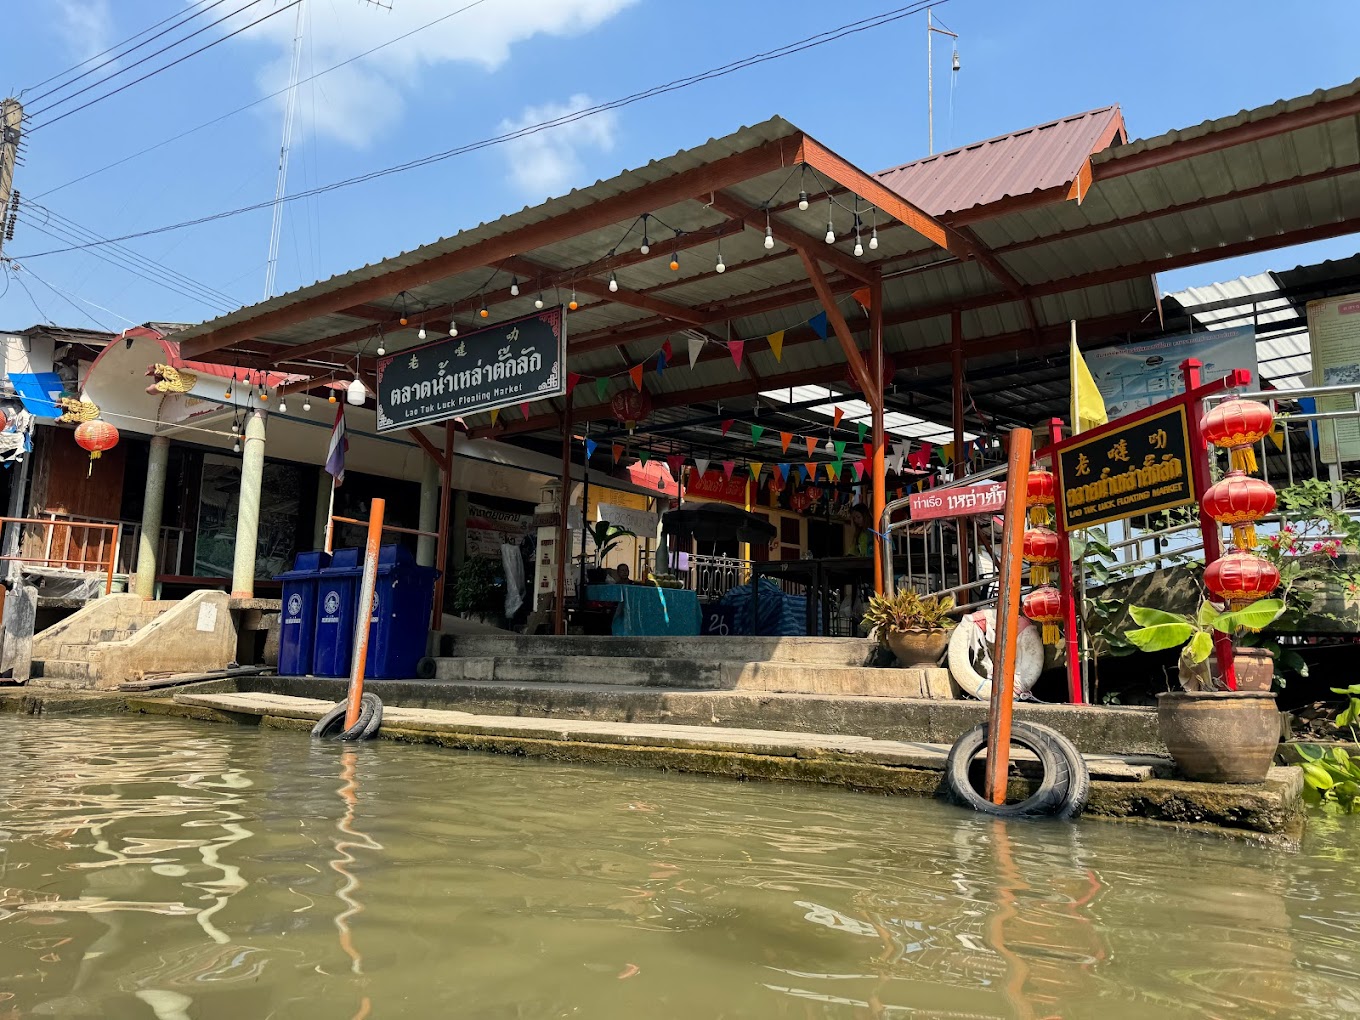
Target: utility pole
[11,124]
[931,30]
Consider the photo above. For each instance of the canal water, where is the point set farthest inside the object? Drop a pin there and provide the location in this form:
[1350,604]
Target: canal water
[162,869]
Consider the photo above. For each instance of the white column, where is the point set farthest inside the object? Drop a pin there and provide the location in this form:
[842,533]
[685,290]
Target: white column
[153,507]
[248,510]
[429,512]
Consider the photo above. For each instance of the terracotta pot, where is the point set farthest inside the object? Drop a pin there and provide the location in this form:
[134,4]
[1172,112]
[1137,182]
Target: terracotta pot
[1255,668]
[1220,736]
[919,649]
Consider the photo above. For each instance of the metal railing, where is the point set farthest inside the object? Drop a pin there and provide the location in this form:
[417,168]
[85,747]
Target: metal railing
[712,577]
[59,538]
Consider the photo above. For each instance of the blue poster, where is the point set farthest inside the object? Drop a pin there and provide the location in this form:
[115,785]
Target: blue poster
[1134,376]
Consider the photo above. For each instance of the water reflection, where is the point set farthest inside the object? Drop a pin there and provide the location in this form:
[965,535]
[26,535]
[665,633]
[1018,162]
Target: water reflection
[170,870]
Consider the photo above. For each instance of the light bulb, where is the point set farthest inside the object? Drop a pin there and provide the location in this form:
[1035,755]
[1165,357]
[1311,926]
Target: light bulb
[355,393]
[830,233]
[646,248]
[613,284]
[453,328]
[421,334]
[538,301]
[720,267]
[403,320]
[236,447]
[381,350]
[283,406]
[514,288]
[859,248]
[873,240]
[306,403]
[483,313]
[572,305]
[802,201]
[830,446]
[675,263]
[331,398]
[769,238]
[235,428]
[227,395]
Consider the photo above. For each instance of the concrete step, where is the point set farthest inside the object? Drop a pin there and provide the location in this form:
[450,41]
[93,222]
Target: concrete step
[797,678]
[814,650]
[69,672]
[587,669]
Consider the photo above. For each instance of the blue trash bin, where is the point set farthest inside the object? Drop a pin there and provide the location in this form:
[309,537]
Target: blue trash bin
[403,598]
[297,636]
[337,594]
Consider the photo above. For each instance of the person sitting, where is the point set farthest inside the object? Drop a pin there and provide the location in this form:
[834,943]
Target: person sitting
[862,540]
[622,574]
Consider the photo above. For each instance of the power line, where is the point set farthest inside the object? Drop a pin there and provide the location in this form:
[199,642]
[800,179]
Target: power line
[263,99]
[186,16]
[165,67]
[76,67]
[801,45]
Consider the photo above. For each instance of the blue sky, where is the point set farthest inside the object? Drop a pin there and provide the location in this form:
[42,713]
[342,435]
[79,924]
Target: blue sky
[510,62]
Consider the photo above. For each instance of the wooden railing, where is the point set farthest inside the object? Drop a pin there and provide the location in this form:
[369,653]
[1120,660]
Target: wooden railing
[93,550]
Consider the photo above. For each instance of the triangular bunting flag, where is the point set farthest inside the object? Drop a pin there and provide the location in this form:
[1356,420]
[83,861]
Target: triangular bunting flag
[810,470]
[696,346]
[601,388]
[636,372]
[618,452]
[728,467]
[839,447]
[572,379]
[948,453]
[785,438]
[902,449]
[756,432]
[667,350]
[833,471]
[643,455]
[727,425]
[495,416]
[784,472]
[701,463]
[861,467]
[900,492]
[755,467]
[524,409]
[591,446]
[862,296]
[861,428]
[660,362]
[818,324]
[675,462]
[777,345]
[869,451]
[735,348]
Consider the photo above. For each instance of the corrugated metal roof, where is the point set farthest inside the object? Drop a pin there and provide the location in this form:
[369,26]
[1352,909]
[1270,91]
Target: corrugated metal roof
[1035,159]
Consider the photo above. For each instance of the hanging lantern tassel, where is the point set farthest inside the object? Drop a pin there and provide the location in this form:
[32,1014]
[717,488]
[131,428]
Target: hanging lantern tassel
[1243,458]
[1244,536]
[1239,500]
[1044,606]
[1040,550]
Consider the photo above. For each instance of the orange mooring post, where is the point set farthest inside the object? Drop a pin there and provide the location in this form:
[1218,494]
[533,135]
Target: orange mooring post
[1007,617]
[364,612]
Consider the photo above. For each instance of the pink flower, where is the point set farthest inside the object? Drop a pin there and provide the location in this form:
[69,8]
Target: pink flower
[1317,547]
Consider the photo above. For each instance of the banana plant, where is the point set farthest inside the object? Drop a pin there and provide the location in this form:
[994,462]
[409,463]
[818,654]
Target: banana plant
[1160,630]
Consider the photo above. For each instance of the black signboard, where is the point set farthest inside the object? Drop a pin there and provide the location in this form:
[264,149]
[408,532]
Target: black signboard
[1140,468]
[509,363]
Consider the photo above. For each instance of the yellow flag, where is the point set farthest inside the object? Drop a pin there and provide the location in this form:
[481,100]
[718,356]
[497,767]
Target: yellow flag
[1088,406]
[495,413]
[777,345]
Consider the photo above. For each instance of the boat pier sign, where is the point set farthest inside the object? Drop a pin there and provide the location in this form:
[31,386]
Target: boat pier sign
[965,501]
[1141,467]
[509,363]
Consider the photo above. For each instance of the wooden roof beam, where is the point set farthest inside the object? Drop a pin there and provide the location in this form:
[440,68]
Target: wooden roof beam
[794,238]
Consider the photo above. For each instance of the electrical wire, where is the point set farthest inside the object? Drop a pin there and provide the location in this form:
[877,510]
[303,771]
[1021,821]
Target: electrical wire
[811,42]
[152,74]
[262,99]
[76,67]
[189,16]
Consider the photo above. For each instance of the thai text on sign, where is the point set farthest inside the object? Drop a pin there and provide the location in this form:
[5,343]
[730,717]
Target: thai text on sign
[1140,468]
[961,502]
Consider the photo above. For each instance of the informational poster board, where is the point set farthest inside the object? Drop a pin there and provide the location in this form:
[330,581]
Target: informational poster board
[488,529]
[1134,376]
[1334,328]
[642,523]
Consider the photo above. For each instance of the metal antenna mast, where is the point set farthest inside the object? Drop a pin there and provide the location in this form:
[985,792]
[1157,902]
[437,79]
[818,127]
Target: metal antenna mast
[931,30]
[276,228]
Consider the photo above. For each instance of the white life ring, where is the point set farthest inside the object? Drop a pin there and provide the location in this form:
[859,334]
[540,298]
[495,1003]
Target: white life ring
[972,642]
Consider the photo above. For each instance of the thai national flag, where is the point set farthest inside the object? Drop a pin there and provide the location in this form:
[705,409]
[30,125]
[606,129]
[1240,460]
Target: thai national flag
[335,453]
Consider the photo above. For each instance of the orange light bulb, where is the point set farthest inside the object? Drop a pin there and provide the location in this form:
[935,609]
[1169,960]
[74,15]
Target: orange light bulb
[675,264]
[573,305]
[331,398]
[402,320]
[484,313]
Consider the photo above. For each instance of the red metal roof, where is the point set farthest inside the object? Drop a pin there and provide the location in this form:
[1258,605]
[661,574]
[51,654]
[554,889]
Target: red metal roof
[1035,159]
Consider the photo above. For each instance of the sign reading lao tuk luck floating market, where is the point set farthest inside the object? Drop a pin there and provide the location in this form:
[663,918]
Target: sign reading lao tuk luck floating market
[1139,468]
[510,363]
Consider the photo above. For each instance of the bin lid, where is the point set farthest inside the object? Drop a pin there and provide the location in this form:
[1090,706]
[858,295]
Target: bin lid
[316,559]
[395,555]
[346,559]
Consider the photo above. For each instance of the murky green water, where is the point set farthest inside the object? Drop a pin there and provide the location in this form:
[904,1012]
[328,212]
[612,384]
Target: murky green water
[171,870]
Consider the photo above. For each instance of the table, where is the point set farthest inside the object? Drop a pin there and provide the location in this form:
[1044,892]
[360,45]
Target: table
[817,577]
[646,610]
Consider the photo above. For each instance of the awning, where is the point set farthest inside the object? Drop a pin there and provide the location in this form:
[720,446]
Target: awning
[38,392]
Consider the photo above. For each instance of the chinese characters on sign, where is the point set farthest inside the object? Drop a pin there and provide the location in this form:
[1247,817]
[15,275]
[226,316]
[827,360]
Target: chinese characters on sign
[974,499]
[1140,468]
[509,363]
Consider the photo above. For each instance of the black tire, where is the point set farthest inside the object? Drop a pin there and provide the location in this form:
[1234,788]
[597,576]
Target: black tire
[329,726]
[425,668]
[1045,801]
[1078,788]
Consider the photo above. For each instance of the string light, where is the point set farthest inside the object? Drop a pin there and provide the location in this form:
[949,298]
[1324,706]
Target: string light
[331,398]
[355,393]
[675,261]
[382,348]
[720,267]
[769,233]
[283,405]
[453,328]
[420,335]
[403,319]
[483,312]
[830,224]
[514,286]
[646,248]
[236,446]
[572,305]
[307,403]
[613,284]
[873,237]
[538,301]
[859,244]
[802,201]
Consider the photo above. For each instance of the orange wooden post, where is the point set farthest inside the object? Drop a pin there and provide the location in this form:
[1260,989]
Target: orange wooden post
[1007,617]
[364,612]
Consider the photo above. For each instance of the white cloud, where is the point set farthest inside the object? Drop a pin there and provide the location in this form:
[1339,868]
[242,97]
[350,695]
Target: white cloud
[547,162]
[86,25]
[360,101]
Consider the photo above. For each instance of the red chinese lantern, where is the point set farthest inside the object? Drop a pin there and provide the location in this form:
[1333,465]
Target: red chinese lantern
[1040,488]
[1041,552]
[1239,500]
[1237,426]
[96,436]
[630,406]
[1241,578]
[1045,606]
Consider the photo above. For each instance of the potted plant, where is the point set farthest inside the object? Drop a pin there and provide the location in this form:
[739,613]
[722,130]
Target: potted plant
[606,537]
[479,590]
[1214,734]
[915,628]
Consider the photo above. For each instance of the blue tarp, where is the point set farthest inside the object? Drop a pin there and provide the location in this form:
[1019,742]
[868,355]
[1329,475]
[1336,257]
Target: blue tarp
[781,614]
[38,392]
[649,611]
